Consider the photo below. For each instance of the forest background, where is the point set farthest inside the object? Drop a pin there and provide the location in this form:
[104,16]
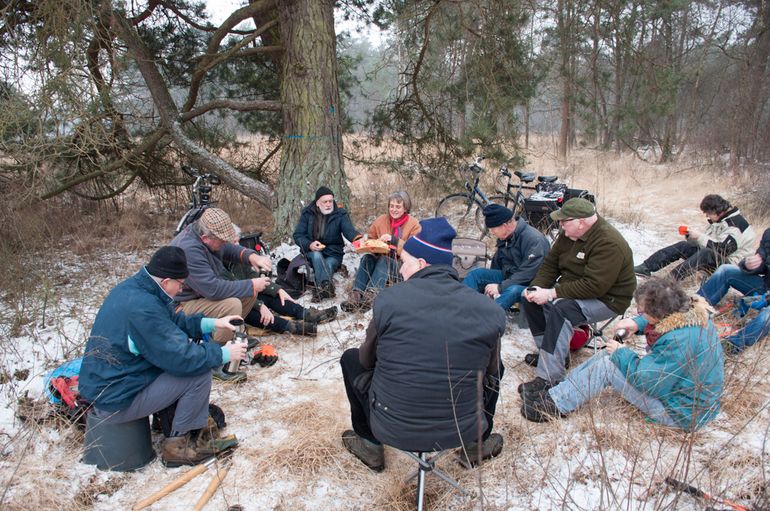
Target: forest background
[648,104]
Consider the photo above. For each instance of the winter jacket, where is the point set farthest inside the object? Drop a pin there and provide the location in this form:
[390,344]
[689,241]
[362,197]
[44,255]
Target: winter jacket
[382,226]
[684,368]
[599,265]
[137,336]
[429,351]
[764,252]
[732,238]
[337,225]
[207,271]
[520,255]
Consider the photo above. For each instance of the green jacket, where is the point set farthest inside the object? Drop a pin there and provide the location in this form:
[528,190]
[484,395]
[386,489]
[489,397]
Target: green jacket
[599,265]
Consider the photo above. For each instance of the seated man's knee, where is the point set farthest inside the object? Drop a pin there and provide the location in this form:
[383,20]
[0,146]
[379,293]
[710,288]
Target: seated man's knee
[349,358]
[230,306]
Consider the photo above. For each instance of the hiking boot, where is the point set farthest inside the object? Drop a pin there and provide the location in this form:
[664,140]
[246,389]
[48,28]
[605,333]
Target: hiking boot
[208,432]
[316,294]
[372,455]
[491,447]
[531,359]
[251,343]
[302,328]
[182,450]
[642,270]
[218,445]
[314,315]
[534,386]
[540,407]
[327,290]
[222,374]
[354,302]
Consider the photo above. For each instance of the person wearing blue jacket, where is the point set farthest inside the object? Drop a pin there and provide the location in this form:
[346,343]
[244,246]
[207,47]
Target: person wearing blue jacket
[520,251]
[678,383]
[318,234]
[138,358]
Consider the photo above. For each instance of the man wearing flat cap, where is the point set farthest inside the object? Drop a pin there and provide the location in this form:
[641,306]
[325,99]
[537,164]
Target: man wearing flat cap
[138,359]
[587,276]
[319,232]
[520,251]
[413,382]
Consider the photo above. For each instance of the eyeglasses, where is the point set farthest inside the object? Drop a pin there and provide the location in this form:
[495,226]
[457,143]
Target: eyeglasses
[562,222]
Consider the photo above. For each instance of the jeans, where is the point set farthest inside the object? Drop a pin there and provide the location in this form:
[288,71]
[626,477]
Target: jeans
[324,267]
[727,276]
[478,278]
[374,272]
[587,381]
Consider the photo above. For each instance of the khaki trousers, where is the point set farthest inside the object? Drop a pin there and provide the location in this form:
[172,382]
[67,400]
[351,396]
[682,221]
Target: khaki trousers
[219,309]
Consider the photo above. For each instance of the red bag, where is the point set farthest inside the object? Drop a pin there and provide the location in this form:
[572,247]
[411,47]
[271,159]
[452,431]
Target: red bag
[580,337]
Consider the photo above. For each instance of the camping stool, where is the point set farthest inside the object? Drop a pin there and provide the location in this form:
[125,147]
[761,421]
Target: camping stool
[597,331]
[122,447]
[427,463]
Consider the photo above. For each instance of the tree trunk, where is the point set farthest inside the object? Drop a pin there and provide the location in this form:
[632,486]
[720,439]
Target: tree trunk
[562,27]
[312,153]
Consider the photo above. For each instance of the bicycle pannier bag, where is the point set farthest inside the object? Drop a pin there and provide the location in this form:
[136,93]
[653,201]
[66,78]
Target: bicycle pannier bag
[551,187]
[539,205]
[468,254]
[572,193]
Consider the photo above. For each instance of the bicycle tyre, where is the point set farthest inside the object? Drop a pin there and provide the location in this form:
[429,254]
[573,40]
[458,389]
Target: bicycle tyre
[463,213]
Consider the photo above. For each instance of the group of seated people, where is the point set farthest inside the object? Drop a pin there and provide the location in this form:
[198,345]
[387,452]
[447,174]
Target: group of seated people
[431,359]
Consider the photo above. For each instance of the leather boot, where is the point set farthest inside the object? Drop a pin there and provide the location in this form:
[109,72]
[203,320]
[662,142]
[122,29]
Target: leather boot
[353,303]
[182,450]
[314,315]
[491,447]
[302,328]
[372,455]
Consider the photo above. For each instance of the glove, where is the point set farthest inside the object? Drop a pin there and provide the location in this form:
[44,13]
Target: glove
[752,302]
[265,356]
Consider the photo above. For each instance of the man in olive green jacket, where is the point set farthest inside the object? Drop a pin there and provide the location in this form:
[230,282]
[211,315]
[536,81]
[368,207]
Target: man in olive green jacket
[587,276]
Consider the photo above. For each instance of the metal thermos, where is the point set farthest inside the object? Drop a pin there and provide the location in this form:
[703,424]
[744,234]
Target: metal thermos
[240,337]
[620,335]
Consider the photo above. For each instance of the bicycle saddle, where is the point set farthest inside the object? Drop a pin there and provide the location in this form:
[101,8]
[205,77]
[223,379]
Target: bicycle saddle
[547,179]
[526,177]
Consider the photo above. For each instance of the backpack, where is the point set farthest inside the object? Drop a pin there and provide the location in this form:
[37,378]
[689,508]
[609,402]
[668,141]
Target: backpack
[290,278]
[468,254]
[61,389]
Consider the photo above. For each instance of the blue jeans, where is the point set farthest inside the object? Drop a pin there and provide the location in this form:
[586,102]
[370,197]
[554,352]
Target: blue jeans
[478,279]
[727,276]
[374,272]
[324,267]
[587,381]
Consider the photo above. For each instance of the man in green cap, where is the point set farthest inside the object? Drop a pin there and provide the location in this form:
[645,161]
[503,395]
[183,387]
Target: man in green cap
[587,276]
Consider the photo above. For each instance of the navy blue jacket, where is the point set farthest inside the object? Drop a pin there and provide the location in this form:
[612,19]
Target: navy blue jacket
[137,336]
[338,224]
[764,252]
[520,255]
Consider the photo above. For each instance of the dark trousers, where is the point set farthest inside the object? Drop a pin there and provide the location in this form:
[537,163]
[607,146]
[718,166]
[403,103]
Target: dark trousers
[273,303]
[358,397]
[695,258]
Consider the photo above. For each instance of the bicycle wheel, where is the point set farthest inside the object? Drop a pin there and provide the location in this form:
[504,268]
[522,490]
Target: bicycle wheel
[462,212]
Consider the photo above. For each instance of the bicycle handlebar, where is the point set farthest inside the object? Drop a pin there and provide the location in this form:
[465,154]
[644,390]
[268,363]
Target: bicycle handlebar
[211,178]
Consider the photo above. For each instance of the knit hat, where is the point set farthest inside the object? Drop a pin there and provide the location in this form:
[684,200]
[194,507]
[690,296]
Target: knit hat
[323,190]
[219,223]
[574,208]
[434,241]
[496,215]
[168,263]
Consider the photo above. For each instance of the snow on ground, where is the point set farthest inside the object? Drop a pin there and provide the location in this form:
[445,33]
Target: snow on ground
[288,419]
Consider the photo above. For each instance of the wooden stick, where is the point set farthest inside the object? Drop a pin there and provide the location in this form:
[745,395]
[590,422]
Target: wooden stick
[213,485]
[173,485]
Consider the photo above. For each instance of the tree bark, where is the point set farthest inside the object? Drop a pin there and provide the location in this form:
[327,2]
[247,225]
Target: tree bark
[312,152]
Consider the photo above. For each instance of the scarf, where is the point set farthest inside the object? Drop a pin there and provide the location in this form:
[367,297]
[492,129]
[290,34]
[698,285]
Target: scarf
[395,225]
[319,225]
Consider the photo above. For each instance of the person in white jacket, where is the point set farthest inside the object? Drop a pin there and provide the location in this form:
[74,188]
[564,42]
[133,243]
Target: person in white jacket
[729,238]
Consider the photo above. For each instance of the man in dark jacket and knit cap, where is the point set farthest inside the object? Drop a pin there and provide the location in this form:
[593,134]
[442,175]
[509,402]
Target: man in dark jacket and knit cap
[587,276]
[520,252]
[139,360]
[318,234]
[412,384]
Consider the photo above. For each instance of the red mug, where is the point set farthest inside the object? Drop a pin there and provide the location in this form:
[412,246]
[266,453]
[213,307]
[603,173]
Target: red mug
[684,230]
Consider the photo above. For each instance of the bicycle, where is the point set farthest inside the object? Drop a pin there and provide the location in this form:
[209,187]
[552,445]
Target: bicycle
[200,200]
[463,210]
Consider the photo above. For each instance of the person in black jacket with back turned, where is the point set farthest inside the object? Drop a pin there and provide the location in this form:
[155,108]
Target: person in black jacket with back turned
[412,384]
[318,234]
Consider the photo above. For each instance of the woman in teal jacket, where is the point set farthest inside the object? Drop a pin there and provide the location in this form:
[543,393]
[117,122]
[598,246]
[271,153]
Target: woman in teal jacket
[677,383]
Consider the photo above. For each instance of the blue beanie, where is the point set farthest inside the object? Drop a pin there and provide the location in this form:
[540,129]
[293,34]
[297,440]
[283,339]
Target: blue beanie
[434,241]
[496,215]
